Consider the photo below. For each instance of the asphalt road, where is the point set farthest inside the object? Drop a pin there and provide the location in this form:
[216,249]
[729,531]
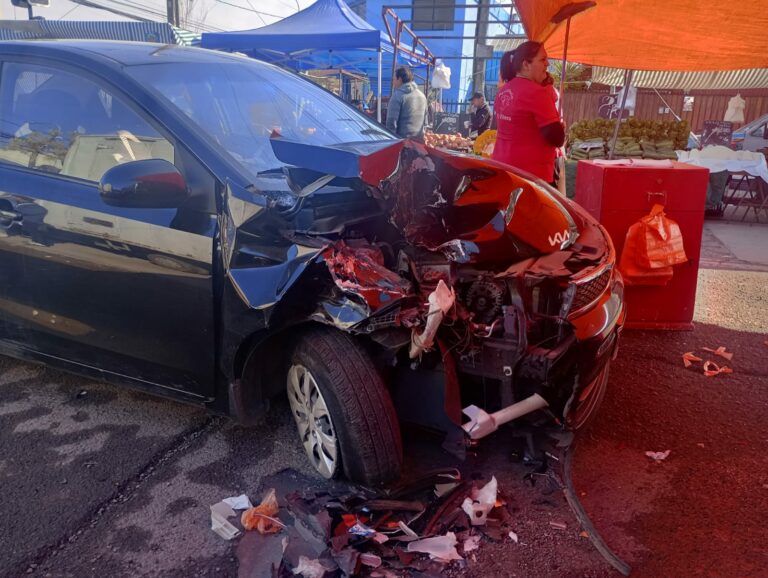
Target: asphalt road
[100,481]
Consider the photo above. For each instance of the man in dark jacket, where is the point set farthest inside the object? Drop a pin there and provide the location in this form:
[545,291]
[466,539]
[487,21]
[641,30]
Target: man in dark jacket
[407,110]
[482,116]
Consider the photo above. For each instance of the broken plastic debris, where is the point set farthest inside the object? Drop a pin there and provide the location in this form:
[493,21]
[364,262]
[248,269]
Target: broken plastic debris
[440,302]
[720,351]
[558,525]
[583,534]
[689,358]
[439,548]
[480,502]
[240,502]
[711,369]
[451,481]
[219,524]
[310,568]
[406,530]
[380,538]
[471,543]
[360,529]
[370,560]
[514,537]
[261,517]
[658,456]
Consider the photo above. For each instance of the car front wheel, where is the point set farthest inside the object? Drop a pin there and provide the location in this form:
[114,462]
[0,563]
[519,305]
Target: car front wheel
[344,414]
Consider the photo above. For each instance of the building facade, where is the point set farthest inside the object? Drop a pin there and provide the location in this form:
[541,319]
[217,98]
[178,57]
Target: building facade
[448,28]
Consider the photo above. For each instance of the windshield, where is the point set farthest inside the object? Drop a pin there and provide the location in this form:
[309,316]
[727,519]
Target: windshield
[240,105]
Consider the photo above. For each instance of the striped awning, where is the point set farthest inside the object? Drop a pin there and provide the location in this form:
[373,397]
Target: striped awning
[715,80]
[506,43]
[185,37]
[160,32]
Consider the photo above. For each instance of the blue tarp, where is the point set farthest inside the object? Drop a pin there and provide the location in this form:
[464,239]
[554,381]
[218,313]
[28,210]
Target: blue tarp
[325,25]
[325,35]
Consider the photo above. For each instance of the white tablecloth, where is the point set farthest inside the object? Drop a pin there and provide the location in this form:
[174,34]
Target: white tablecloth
[719,158]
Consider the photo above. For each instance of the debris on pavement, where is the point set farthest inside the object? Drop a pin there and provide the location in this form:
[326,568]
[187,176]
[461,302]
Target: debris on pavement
[712,369]
[399,531]
[514,537]
[658,456]
[689,358]
[262,517]
[558,525]
[439,548]
[219,524]
[481,502]
[472,543]
[240,502]
[721,352]
[310,568]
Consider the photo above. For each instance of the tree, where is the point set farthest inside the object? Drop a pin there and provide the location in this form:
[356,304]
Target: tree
[576,75]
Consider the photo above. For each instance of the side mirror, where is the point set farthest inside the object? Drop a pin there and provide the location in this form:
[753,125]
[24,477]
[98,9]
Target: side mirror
[145,184]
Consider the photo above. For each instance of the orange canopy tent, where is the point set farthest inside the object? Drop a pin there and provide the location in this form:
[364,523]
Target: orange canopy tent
[683,35]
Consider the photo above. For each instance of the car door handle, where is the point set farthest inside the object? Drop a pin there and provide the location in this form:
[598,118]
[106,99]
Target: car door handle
[10,215]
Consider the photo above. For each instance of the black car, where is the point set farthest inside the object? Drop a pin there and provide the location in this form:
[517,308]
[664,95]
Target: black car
[217,230]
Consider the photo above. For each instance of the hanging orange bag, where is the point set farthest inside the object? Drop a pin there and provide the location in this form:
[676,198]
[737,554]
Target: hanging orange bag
[662,244]
[652,246]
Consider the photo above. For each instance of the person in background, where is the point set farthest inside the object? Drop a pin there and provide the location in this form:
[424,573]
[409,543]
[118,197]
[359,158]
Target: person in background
[481,116]
[407,110]
[529,126]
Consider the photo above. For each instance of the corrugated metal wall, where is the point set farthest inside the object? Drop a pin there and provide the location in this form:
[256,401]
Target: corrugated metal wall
[708,105]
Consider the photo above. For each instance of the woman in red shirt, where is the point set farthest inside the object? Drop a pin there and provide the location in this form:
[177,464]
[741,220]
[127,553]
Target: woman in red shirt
[529,130]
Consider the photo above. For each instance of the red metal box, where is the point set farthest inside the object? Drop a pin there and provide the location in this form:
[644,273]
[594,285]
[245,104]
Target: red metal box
[618,196]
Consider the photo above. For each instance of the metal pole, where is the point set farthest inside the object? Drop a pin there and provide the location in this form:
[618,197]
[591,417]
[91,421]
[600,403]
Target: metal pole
[378,90]
[481,35]
[627,82]
[563,67]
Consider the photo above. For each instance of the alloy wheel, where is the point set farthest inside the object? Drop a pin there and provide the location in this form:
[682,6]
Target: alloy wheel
[313,420]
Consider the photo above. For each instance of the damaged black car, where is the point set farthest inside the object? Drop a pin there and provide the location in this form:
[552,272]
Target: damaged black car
[216,230]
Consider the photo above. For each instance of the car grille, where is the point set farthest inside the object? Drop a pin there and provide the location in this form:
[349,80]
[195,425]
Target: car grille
[587,292]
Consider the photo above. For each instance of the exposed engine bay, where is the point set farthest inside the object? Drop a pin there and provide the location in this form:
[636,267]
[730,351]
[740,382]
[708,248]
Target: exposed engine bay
[442,260]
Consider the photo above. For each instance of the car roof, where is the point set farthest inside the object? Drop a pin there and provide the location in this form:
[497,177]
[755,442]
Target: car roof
[119,53]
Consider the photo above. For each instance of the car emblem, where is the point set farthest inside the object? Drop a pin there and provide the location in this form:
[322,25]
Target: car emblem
[559,238]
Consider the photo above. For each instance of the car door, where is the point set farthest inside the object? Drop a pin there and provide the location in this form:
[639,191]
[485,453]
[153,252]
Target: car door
[125,290]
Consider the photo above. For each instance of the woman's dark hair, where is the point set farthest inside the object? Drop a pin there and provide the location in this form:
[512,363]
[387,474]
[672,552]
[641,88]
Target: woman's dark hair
[512,61]
[404,73]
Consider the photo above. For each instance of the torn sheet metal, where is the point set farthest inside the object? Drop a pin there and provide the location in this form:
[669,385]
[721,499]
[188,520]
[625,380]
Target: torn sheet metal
[440,199]
[361,271]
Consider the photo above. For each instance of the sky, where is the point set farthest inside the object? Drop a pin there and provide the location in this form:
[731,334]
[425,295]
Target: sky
[203,14]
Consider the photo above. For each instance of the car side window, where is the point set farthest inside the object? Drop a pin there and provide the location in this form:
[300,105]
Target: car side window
[58,122]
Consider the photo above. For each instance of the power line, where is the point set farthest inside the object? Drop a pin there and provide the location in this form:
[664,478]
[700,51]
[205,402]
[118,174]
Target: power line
[250,9]
[68,12]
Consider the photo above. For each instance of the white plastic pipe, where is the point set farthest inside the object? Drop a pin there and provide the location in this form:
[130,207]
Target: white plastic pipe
[482,423]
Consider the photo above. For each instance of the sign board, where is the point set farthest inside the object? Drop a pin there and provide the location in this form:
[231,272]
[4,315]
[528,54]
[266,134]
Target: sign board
[717,132]
[608,107]
[447,123]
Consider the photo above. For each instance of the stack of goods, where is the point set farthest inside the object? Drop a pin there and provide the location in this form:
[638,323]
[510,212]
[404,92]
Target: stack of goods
[660,138]
[583,150]
[454,142]
[627,147]
[660,149]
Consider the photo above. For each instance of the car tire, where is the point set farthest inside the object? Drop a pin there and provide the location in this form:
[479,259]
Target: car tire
[331,377]
[587,408]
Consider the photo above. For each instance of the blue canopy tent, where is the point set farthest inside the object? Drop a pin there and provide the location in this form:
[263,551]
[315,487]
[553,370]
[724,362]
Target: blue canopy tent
[326,34]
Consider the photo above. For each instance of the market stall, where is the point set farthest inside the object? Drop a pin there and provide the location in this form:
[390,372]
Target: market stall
[325,35]
[634,192]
